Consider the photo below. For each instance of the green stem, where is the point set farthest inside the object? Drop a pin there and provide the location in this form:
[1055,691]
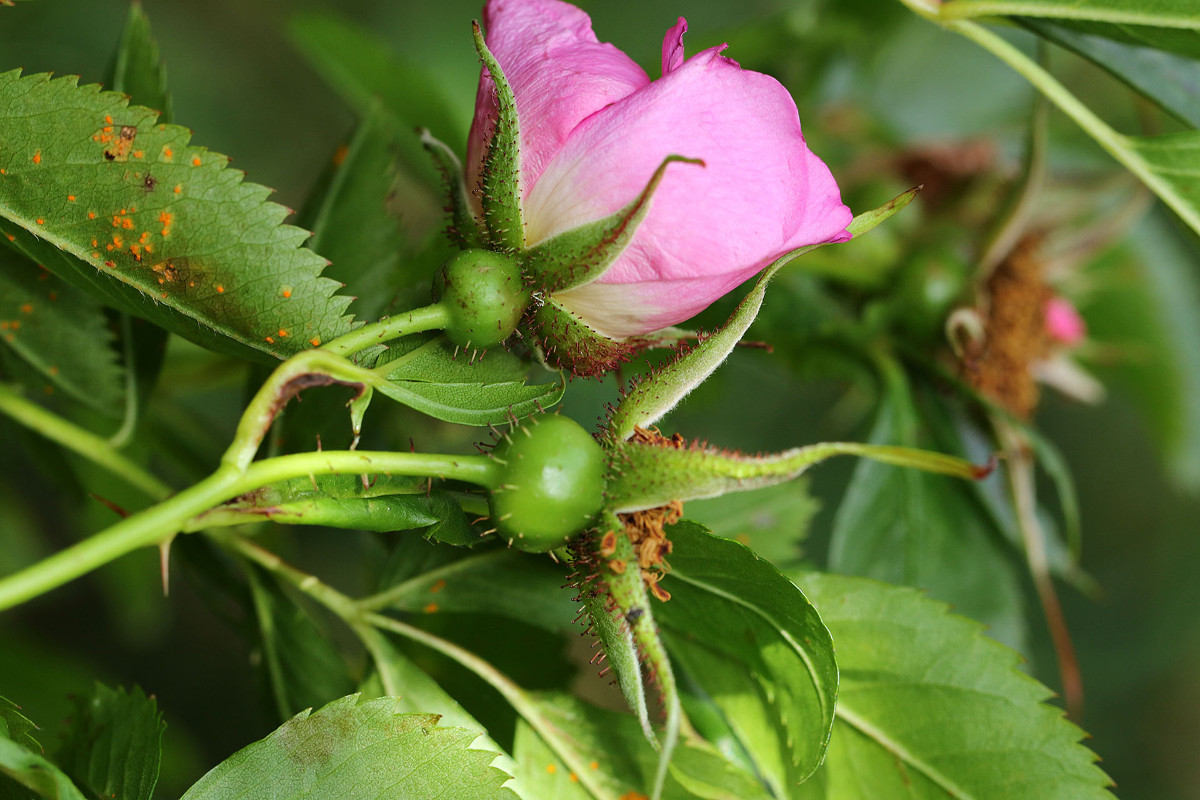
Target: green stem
[81,441]
[431,317]
[160,522]
[1119,146]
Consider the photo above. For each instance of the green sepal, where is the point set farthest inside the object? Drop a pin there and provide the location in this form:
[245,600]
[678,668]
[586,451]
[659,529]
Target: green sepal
[647,476]
[619,607]
[567,342]
[580,255]
[463,228]
[660,391]
[501,178]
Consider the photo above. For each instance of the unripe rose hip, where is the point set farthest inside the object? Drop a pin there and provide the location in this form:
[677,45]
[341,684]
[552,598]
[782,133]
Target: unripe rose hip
[552,484]
[484,294]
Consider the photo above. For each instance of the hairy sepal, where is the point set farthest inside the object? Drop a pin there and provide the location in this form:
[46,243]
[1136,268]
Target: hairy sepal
[501,183]
[463,228]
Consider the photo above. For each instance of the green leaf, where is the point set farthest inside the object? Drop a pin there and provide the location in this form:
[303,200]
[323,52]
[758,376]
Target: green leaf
[657,393]
[1145,306]
[16,726]
[495,581]
[772,521]
[32,771]
[777,680]
[305,669]
[907,527]
[384,503]
[82,166]
[138,70]
[1171,81]
[351,224]
[414,691]
[930,707]
[60,332]
[615,763]
[114,744]
[364,70]
[350,750]
[436,379]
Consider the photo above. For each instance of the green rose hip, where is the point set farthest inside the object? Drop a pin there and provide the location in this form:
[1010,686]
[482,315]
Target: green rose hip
[485,296]
[552,486]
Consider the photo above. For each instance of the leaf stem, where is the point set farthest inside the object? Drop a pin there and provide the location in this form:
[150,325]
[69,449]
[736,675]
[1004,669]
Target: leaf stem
[81,441]
[158,523]
[431,317]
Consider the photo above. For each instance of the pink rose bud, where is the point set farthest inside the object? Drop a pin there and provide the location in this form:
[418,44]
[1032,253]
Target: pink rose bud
[593,130]
[1064,325]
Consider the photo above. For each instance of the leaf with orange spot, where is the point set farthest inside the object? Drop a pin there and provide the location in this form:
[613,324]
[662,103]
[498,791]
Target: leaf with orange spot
[60,332]
[227,244]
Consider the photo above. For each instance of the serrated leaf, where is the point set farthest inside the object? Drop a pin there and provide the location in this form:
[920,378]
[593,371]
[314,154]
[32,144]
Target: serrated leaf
[1170,80]
[350,750]
[32,771]
[614,761]
[304,668]
[930,707]
[60,332]
[16,726]
[908,527]
[414,691]
[364,70]
[351,224]
[193,247]
[114,743]
[729,606]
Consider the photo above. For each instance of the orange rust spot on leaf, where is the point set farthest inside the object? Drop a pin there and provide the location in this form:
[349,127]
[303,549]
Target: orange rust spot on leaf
[167,153]
[109,264]
[137,153]
[91,215]
[282,333]
[52,370]
[220,289]
[340,155]
[268,340]
[178,188]
[41,221]
[287,292]
[70,198]
[195,162]
[26,308]
[108,119]
[437,586]
[574,778]
[315,342]
[594,765]
[430,608]
[551,769]
[37,157]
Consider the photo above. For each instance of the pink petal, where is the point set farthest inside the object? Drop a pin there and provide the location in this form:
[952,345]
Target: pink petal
[761,193]
[672,52]
[1063,322]
[559,73]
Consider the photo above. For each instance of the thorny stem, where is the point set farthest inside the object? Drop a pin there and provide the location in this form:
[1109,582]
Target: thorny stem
[362,623]
[81,441]
[158,523]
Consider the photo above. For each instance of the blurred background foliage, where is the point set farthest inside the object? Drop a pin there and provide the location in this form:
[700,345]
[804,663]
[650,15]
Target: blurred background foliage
[883,96]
